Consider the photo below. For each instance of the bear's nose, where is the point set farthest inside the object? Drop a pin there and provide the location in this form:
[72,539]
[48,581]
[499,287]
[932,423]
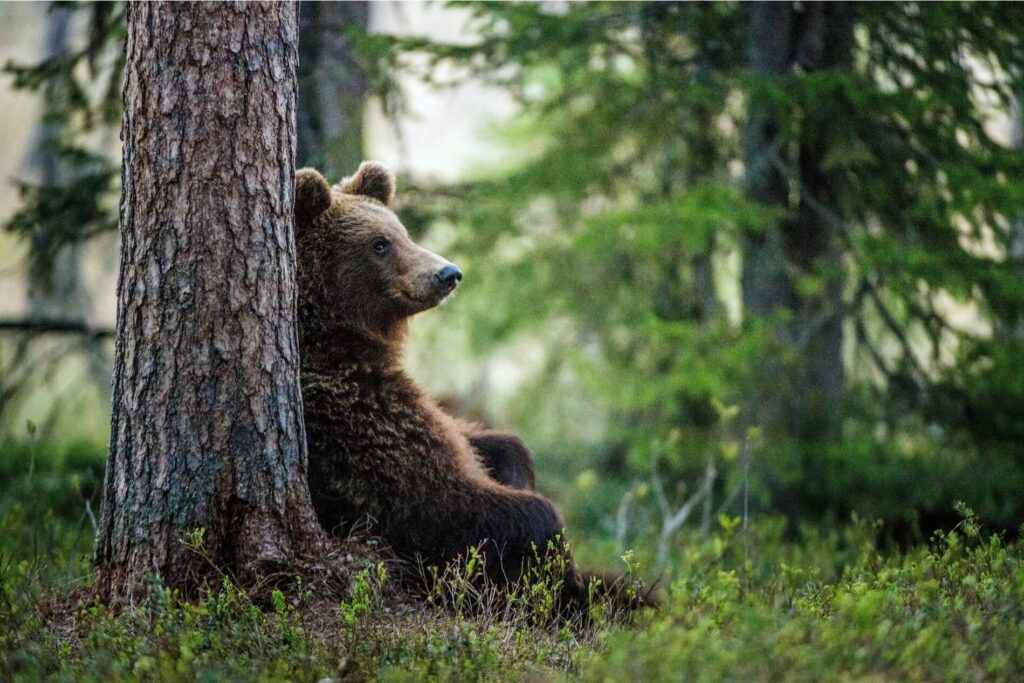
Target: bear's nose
[448,276]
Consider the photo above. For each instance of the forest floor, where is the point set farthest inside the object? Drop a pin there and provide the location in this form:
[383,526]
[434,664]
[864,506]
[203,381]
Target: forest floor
[743,606]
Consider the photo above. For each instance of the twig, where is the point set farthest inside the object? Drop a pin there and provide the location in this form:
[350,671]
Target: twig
[89,515]
[56,327]
[672,521]
[746,499]
[893,326]
[705,520]
[622,516]
[876,357]
[730,499]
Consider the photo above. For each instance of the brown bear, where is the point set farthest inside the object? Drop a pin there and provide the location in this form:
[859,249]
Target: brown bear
[380,451]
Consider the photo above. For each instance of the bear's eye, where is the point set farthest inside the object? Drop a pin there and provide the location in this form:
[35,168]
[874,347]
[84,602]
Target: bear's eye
[381,247]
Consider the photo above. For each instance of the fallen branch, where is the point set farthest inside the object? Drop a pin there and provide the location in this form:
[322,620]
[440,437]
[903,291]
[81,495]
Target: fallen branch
[40,327]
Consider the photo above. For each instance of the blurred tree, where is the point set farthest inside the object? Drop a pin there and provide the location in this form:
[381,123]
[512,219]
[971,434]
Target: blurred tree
[207,440]
[81,85]
[54,292]
[68,199]
[795,266]
[332,86]
[1017,243]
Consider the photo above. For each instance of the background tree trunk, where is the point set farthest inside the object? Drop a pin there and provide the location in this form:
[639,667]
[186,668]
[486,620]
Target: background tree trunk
[54,290]
[765,282]
[332,87]
[207,428]
[807,241]
[813,240]
[1017,238]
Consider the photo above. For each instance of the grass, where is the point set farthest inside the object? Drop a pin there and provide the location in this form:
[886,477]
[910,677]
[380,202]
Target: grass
[952,610]
[834,605]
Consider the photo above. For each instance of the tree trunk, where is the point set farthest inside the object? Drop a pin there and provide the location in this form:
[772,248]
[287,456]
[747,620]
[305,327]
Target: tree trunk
[332,87]
[813,238]
[807,241]
[1017,238]
[54,291]
[207,429]
[765,282]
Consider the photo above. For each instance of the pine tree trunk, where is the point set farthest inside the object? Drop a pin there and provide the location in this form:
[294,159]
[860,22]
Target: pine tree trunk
[813,238]
[332,87]
[207,429]
[54,290]
[1017,238]
[765,282]
[806,242]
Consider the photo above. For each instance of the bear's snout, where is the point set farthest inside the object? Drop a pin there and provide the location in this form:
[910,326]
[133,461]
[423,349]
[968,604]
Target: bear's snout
[448,277]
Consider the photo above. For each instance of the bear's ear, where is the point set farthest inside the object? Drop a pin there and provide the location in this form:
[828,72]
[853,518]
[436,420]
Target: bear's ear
[312,195]
[373,179]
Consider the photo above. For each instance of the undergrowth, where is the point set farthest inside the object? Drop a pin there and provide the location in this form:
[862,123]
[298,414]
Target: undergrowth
[950,610]
[752,604]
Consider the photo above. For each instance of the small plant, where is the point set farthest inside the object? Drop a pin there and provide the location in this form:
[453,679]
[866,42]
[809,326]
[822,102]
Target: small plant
[367,590]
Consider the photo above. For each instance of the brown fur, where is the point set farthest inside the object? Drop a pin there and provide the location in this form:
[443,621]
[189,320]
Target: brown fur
[505,457]
[379,449]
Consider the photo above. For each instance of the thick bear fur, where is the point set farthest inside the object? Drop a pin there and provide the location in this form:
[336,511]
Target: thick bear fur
[381,452]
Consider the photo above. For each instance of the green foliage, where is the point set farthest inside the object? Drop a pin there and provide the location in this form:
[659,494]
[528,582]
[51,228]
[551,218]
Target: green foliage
[908,475]
[622,237]
[49,500]
[366,594]
[81,87]
[749,605]
[948,611]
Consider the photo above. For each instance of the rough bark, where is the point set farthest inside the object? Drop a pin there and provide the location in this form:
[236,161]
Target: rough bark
[207,429]
[807,240]
[332,87]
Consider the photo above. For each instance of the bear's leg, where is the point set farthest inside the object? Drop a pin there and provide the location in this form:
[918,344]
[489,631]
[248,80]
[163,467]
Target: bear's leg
[513,528]
[519,529]
[506,458]
[538,534]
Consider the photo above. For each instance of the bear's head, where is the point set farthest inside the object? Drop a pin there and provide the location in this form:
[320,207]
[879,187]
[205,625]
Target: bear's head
[359,273]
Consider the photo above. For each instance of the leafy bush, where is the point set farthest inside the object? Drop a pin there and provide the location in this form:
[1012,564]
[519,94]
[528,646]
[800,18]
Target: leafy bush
[743,603]
[949,611]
